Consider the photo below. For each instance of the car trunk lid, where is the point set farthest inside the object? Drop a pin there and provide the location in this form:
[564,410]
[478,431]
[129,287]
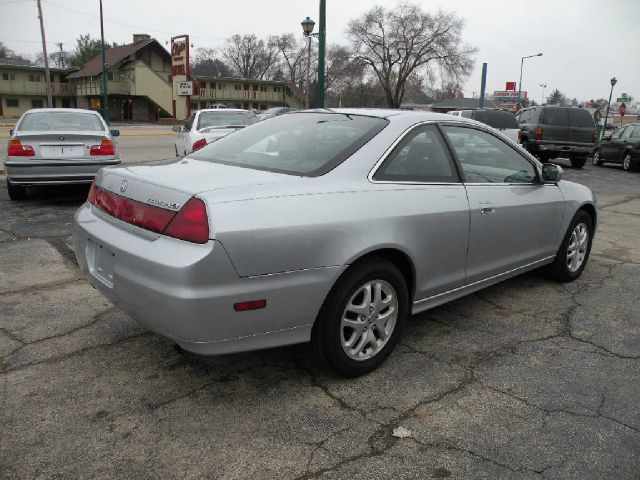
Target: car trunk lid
[63,145]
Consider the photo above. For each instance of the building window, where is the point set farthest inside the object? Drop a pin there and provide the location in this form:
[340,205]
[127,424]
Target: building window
[237,87]
[110,76]
[37,103]
[213,85]
[66,103]
[220,86]
[276,89]
[246,86]
[34,78]
[12,103]
[203,84]
[8,76]
[255,88]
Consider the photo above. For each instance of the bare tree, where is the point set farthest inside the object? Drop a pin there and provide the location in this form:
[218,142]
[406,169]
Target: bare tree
[250,57]
[292,58]
[451,89]
[398,42]
[206,63]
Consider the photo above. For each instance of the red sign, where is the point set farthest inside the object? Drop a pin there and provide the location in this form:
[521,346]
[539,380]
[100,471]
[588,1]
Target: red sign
[623,109]
[511,86]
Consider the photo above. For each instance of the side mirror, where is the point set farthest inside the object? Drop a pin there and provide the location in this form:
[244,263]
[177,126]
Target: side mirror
[115,133]
[176,129]
[551,173]
[11,132]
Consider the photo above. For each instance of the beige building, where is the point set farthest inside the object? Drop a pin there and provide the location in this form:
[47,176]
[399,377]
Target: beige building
[23,86]
[139,86]
[247,94]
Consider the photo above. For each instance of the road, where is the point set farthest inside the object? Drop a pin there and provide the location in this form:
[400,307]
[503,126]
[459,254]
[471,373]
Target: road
[525,380]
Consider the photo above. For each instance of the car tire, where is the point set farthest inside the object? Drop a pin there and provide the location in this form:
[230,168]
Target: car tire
[597,159]
[16,192]
[561,270]
[627,162]
[333,325]
[578,162]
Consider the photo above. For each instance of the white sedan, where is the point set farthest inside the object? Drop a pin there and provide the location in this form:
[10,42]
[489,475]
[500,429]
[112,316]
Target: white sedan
[208,125]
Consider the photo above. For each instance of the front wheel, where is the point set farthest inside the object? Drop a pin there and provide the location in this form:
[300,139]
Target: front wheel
[627,163]
[597,159]
[578,162]
[362,318]
[573,254]
[16,192]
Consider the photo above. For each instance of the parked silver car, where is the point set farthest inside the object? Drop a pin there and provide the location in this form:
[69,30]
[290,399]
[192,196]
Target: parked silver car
[208,125]
[327,226]
[51,146]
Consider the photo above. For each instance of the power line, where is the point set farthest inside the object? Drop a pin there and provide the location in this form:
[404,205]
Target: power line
[123,23]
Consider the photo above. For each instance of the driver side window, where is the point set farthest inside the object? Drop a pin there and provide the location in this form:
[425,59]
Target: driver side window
[487,159]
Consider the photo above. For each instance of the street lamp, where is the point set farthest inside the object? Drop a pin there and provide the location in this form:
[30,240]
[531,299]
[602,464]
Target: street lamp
[307,29]
[606,117]
[520,83]
[543,85]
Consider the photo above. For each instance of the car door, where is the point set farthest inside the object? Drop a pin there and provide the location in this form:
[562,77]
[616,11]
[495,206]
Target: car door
[514,219]
[626,138]
[611,149]
[419,185]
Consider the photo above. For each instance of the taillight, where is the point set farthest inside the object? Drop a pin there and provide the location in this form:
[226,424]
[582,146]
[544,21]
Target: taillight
[199,144]
[190,223]
[519,136]
[16,149]
[594,137]
[105,148]
[538,134]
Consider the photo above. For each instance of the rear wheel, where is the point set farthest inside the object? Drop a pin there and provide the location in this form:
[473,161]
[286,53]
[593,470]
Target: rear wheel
[361,319]
[578,162]
[16,192]
[597,160]
[573,254]
[627,163]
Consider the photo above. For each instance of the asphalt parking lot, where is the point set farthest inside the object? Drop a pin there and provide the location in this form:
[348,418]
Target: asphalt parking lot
[525,380]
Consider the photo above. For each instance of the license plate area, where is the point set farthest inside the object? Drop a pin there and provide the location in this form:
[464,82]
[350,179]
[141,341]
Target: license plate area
[62,151]
[101,262]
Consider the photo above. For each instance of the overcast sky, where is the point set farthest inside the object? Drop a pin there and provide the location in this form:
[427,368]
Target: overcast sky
[584,42]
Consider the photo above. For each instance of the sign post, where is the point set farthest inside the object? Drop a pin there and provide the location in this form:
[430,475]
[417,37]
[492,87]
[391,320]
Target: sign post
[180,77]
[623,110]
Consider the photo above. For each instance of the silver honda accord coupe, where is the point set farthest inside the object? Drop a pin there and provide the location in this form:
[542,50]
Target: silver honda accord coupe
[329,227]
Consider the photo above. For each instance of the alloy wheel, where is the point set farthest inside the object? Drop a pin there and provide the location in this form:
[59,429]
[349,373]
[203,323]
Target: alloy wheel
[596,158]
[626,163]
[368,320]
[577,248]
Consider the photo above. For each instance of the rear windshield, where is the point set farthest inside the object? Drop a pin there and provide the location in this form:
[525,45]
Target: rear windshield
[496,118]
[556,116]
[224,119]
[61,122]
[308,144]
[580,118]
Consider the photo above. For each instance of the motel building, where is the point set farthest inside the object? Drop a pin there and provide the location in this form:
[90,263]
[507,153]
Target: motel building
[142,80]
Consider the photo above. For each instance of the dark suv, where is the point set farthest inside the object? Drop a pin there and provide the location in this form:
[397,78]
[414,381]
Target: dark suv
[550,132]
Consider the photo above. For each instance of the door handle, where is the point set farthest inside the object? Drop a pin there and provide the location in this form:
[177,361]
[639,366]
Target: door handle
[487,210]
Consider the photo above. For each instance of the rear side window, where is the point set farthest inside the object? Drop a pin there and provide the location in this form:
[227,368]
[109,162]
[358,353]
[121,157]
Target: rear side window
[580,118]
[556,116]
[466,114]
[496,118]
[420,157]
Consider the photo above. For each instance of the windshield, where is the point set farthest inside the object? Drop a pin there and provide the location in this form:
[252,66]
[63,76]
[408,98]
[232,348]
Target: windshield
[61,121]
[224,119]
[308,144]
[496,118]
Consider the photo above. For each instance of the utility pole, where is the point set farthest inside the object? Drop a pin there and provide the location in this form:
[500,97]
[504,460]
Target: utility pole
[105,96]
[321,52]
[483,84]
[61,55]
[46,57]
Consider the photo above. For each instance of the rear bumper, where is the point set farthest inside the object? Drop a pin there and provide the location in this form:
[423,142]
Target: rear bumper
[560,149]
[186,291]
[52,172]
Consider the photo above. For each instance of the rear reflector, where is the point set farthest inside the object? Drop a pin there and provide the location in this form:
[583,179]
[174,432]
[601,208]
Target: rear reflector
[190,223]
[105,148]
[251,305]
[538,134]
[16,149]
[594,137]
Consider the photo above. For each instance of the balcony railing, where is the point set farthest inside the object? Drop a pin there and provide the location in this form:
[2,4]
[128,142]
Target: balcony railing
[16,87]
[239,95]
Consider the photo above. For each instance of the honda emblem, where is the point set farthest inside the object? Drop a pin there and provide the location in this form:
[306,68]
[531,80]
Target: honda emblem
[123,186]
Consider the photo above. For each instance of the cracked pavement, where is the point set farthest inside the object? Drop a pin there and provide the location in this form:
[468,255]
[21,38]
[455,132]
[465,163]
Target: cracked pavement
[528,379]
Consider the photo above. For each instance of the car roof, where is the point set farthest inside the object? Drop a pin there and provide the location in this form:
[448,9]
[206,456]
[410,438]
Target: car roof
[414,116]
[77,110]
[218,110]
